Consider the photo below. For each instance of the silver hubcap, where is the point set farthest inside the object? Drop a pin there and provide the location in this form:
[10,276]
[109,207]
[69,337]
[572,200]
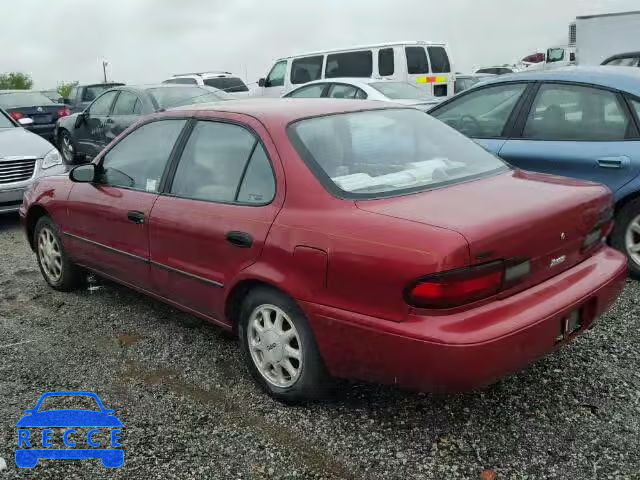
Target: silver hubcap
[67,147]
[275,345]
[50,254]
[632,240]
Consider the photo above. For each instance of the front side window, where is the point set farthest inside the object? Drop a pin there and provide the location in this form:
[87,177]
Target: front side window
[102,106]
[312,91]
[276,75]
[306,69]
[623,62]
[387,152]
[416,60]
[126,104]
[385,62]
[483,113]
[350,64]
[439,60]
[139,159]
[340,90]
[213,163]
[573,112]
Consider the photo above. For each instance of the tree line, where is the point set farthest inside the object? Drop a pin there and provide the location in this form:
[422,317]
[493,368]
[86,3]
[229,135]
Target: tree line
[23,81]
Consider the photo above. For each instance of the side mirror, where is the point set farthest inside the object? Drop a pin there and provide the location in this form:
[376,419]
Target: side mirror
[24,121]
[83,173]
[82,116]
[261,82]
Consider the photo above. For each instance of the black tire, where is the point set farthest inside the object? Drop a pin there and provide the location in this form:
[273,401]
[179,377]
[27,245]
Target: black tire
[69,157]
[625,216]
[71,276]
[312,381]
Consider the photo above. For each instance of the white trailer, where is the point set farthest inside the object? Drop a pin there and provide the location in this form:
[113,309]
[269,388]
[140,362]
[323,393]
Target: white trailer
[598,37]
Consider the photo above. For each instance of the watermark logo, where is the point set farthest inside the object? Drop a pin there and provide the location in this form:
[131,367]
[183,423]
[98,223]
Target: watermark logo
[69,433]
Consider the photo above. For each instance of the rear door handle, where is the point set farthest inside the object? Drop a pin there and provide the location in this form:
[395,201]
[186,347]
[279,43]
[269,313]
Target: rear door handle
[135,216]
[613,162]
[240,239]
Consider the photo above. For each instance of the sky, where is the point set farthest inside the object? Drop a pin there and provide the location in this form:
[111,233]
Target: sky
[147,41]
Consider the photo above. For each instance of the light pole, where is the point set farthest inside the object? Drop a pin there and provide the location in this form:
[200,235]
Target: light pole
[104,69]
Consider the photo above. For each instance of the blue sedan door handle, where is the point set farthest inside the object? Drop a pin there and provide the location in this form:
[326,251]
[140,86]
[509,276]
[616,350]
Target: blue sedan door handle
[613,162]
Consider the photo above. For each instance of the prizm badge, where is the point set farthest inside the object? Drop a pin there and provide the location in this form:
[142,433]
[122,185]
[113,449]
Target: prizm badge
[557,261]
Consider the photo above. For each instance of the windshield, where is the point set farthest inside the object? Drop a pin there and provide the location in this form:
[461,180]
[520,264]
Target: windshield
[174,96]
[227,84]
[64,402]
[400,91]
[23,99]
[384,152]
[4,121]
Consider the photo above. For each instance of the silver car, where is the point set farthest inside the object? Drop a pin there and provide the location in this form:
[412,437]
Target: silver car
[24,157]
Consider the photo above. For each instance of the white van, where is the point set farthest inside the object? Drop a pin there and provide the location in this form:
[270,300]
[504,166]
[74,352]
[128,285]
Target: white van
[425,64]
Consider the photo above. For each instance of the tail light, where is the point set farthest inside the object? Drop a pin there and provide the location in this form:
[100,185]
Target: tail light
[64,112]
[601,231]
[466,285]
[16,115]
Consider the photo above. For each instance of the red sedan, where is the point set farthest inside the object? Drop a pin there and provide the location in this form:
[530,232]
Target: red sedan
[337,238]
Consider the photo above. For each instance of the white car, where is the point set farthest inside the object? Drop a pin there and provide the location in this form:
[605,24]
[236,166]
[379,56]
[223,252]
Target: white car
[225,81]
[366,89]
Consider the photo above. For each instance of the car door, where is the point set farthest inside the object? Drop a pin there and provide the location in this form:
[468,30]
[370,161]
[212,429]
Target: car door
[273,85]
[108,219]
[577,131]
[90,133]
[484,114]
[213,220]
[125,112]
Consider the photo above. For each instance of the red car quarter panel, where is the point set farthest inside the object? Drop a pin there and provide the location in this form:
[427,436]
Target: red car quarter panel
[337,238]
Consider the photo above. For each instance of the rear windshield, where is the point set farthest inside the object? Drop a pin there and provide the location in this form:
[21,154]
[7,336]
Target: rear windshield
[23,99]
[400,91]
[90,93]
[170,96]
[227,84]
[386,152]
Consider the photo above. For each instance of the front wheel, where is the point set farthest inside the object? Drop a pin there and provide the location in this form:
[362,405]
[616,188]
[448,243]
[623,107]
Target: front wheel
[279,347]
[56,267]
[67,147]
[626,235]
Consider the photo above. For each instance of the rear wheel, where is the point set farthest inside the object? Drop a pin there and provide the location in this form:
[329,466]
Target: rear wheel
[626,235]
[279,347]
[56,267]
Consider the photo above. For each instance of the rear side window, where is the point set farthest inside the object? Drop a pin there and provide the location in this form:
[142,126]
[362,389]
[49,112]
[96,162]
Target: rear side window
[138,160]
[416,60]
[482,113]
[182,81]
[385,62]
[306,69]
[213,162]
[339,90]
[227,84]
[259,185]
[350,64]
[573,112]
[439,60]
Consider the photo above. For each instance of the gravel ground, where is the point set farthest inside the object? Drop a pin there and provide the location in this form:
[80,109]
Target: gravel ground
[190,409]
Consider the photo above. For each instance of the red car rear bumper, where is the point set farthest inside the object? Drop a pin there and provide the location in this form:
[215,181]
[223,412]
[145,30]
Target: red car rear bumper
[469,349]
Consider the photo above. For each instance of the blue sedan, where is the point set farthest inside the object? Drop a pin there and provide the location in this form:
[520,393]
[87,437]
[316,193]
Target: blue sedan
[580,122]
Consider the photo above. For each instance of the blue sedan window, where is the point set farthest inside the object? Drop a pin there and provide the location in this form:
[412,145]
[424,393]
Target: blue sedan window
[572,112]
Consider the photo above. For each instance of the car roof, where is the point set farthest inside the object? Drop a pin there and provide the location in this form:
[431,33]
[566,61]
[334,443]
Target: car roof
[619,78]
[287,110]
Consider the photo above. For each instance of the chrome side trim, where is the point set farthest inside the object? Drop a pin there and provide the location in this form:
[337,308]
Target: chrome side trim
[187,274]
[105,247]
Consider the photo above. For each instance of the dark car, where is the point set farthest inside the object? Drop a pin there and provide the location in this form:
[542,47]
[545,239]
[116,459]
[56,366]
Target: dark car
[36,106]
[346,238]
[580,122]
[82,136]
[82,95]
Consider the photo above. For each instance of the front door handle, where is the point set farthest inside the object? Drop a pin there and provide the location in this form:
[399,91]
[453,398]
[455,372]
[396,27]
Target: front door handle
[240,239]
[135,216]
[613,162]
[108,120]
